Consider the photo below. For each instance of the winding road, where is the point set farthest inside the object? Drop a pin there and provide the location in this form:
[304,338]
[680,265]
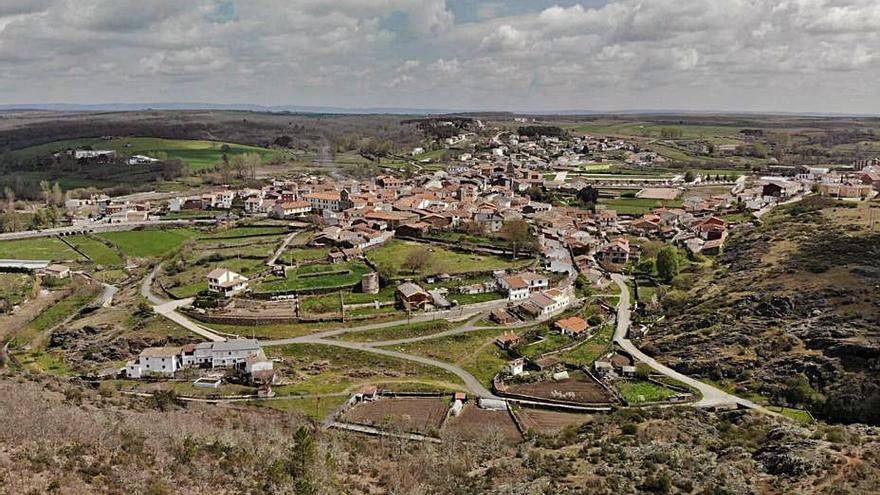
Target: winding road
[712,396]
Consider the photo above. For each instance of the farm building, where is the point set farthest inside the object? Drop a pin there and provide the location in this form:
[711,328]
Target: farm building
[412,296]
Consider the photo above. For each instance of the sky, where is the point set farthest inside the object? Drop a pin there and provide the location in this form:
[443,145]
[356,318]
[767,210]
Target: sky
[518,55]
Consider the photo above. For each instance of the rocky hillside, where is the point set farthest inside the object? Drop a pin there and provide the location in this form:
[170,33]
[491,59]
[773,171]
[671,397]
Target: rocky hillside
[791,313]
[63,437]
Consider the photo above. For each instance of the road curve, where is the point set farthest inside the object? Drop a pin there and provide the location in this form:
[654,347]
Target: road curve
[712,396]
[168,309]
[469,380]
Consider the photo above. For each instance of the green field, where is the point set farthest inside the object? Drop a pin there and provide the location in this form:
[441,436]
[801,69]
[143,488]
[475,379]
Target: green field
[652,130]
[149,243]
[199,155]
[637,206]
[588,352]
[44,248]
[97,251]
[418,329]
[348,369]
[391,257]
[316,277]
[15,287]
[637,392]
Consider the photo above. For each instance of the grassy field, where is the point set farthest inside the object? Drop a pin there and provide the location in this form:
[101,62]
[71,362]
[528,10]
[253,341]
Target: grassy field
[199,155]
[305,278]
[324,369]
[45,248]
[245,232]
[418,329]
[57,313]
[471,349]
[149,243]
[391,257]
[15,287]
[637,206]
[97,251]
[329,303]
[637,392]
[653,130]
[294,255]
[586,353]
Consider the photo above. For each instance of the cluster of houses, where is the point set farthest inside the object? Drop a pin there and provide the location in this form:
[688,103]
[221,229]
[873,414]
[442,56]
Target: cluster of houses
[243,356]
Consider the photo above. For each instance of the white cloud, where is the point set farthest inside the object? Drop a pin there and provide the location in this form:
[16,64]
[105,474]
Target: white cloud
[623,54]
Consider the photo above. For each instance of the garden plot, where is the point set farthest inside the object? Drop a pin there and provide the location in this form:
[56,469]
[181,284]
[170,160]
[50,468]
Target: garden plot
[578,388]
[474,423]
[548,422]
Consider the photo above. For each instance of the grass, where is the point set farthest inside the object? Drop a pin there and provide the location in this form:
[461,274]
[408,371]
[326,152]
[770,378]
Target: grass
[587,353]
[300,254]
[329,303]
[96,250]
[452,348]
[149,243]
[391,257]
[45,248]
[638,392]
[198,155]
[637,206]
[486,363]
[798,415]
[418,329]
[322,369]
[551,342]
[304,278]
[56,313]
[238,232]
[15,287]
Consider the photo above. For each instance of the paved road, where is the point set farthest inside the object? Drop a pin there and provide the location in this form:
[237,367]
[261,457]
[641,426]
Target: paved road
[281,249]
[168,309]
[712,397]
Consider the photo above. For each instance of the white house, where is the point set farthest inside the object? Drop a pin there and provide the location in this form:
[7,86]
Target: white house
[290,209]
[516,366]
[546,302]
[154,360]
[141,160]
[256,204]
[221,354]
[516,288]
[226,282]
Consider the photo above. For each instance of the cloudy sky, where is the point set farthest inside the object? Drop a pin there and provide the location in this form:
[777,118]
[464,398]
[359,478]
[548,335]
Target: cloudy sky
[749,55]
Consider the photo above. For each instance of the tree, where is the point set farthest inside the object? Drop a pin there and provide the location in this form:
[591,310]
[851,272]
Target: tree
[301,463]
[588,196]
[417,260]
[690,176]
[519,233]
[667,263]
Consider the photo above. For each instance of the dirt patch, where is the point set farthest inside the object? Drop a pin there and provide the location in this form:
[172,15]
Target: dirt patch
[474,423]
[548,421]
[578,389]
[423,416]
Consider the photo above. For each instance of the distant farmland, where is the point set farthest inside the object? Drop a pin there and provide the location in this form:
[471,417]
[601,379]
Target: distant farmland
[198,155]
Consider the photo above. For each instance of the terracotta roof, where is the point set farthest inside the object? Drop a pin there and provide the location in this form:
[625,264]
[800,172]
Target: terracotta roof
[573,324]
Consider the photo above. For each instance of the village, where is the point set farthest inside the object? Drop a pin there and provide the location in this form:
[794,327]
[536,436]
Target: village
[518,241]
